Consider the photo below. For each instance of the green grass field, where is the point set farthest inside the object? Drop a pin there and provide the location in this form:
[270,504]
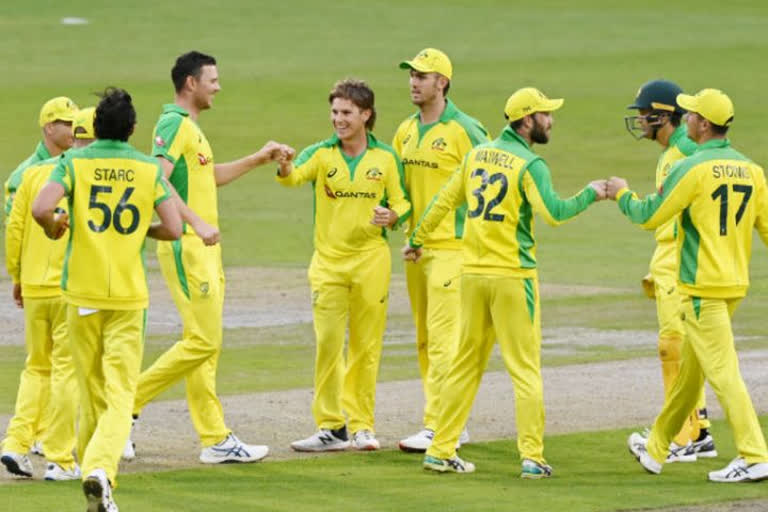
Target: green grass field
[277,62]
[593,471]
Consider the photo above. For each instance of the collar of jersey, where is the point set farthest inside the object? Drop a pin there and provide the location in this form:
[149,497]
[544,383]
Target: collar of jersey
[680,132]
[510,135]
[714,144]
[172,107]
[42,152]
[109,144]
[449,112]
[335,141]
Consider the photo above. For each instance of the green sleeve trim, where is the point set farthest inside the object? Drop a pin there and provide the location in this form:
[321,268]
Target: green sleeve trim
[309,151]
[179,178]
[58,175]
[640,211]
[167,128]
[475,130]
[689,254]
[558,209]
[401,180]
[163,184]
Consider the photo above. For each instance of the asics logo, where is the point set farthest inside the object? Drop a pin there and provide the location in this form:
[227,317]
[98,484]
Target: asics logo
[235,451]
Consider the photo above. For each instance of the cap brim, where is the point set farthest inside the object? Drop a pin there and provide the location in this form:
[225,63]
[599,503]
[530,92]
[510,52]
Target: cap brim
[551,105]
[687,102]
[66,117]
[407,64]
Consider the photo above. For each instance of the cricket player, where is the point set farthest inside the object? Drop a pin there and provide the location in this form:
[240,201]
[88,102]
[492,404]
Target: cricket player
[359,192]
[431,144]
[503,183]
[34,263]
[720,196]
[192,265]
[55,121]
[658,119]
[112,192]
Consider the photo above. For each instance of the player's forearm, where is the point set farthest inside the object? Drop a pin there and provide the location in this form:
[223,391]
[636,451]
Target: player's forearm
[230,171]
[160,231]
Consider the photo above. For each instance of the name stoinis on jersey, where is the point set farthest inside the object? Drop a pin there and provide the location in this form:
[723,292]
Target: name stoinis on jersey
[730,171]
[100,174]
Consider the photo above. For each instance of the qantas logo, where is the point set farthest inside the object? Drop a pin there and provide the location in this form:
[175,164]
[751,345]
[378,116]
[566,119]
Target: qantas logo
[329,192]
[341,194]
[204,160]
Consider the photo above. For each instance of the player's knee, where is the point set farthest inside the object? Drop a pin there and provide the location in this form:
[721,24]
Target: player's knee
[669,348]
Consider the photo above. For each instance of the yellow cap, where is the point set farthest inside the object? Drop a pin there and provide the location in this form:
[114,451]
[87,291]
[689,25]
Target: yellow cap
[430,60]
[527,101]
[57,109]
[711,104]
[82,126]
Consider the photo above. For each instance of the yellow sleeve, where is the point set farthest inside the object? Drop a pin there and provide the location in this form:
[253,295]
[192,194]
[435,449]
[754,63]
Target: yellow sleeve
[761,220]
[675,194]
[451,196]
[14,231]
[397,198]
[304,168]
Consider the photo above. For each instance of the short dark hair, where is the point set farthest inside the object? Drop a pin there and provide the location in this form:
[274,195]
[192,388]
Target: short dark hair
[359,93]
[517,123]
[719,129]
[115,116]
[189,64]
[445,89]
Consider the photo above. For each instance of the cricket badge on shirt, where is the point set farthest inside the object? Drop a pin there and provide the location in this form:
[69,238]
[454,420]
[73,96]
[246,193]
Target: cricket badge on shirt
[373,174]
[439,144]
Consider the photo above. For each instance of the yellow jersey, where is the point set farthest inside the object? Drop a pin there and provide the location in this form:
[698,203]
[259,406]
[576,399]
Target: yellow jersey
[112,192]
[346,190]
[503,183]
[32,259]
[720,196]
[178,139]
[430,154]
[14,180]
[664,260]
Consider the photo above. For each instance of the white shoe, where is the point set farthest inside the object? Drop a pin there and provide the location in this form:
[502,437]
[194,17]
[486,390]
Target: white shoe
[324,440]
[533,470]
[637,447]
[98,492]
[705,448]
[54,472]
[232,449]
[453,465]
[739,471]
[37,449]
[463,438]
[417,443]
[129,450]
[679,453]
[365,440]
[17,464]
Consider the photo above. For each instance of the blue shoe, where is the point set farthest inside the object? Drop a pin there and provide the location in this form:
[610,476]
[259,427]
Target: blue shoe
[453,465]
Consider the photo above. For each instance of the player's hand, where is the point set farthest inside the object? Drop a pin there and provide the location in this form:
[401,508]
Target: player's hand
[411,253]
[600,188]
[383,217]
[58,227]
[614,185]
[17,298]
[286,154]
[208,234]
